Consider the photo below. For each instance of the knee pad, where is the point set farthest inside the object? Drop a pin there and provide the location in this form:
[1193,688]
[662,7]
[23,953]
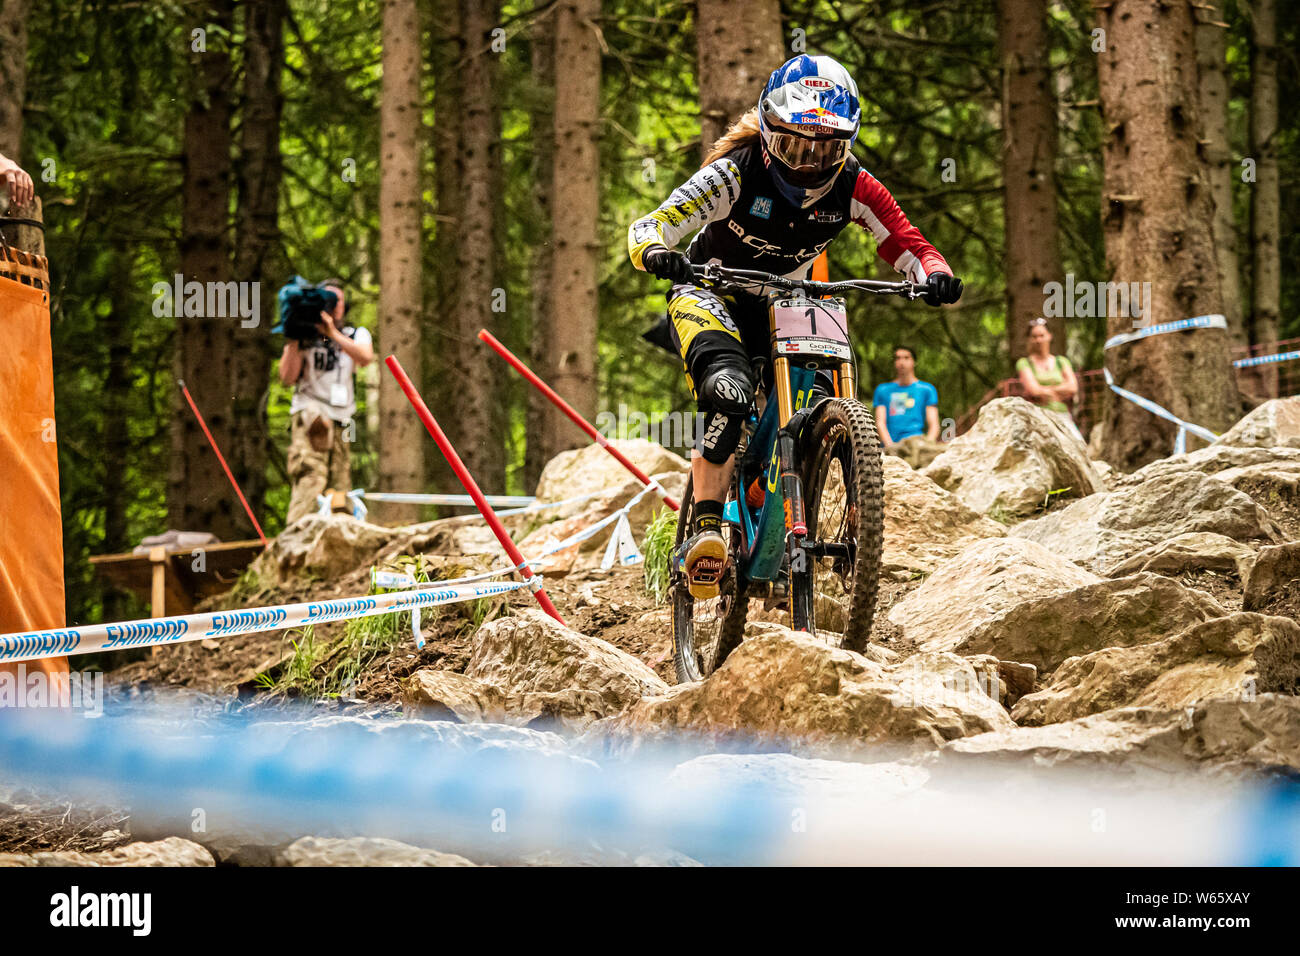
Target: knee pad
[727,388]
[724,396]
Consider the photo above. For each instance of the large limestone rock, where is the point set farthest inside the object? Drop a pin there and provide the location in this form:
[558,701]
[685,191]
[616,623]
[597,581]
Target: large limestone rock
[435,694]
[1015,454]
[561,524]
[173,851]
[464,537]
[1275,486]
[590,469]
[547,669]
[1227,737]
[1194,551]
[1273,584]
[1268,474]
[1276,422]
[1045,630]
[924,524]
[321,546]
[981,584]
[790,690]
[1213,460]
[1228,658]
[362,851]
[1103,531]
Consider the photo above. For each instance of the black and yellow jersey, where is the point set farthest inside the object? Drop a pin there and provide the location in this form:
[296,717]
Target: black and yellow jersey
[740,220]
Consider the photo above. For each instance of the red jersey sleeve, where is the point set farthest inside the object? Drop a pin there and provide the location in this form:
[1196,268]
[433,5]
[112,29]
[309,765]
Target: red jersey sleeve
[898,242]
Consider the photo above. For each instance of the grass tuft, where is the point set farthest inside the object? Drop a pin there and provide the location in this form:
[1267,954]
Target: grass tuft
[657,549]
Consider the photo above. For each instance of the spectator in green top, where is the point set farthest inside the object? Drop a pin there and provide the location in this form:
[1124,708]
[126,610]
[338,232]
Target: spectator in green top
[1048,379]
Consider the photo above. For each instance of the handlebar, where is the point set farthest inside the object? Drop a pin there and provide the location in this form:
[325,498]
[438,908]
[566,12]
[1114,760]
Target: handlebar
[759,283]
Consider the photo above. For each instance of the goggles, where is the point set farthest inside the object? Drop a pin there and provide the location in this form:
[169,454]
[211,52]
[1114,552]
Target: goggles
[808,160]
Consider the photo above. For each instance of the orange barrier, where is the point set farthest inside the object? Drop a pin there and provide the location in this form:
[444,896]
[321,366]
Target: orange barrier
[31,529]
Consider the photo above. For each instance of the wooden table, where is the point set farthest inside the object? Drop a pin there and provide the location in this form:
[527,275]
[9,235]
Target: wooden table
[169,579]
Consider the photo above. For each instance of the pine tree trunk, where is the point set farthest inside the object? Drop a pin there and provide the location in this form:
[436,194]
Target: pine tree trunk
[117,425]
[1029,146]
[13,75]
[540,434]
[258,254]
[1265,195]
[476,422]
[738,45]
[576,195]
[441,339]
[1211,53]
[199,497]
[401,437]
[1158,220]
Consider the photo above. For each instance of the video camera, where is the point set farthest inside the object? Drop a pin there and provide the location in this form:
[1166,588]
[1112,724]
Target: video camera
[301,303]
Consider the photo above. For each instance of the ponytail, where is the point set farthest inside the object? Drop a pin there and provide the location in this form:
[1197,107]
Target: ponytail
[742,132]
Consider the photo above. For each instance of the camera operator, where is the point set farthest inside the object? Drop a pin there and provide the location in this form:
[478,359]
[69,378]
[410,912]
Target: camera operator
[324,401]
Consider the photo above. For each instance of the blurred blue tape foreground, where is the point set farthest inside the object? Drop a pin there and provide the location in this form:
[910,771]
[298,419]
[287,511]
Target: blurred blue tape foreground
[504,794]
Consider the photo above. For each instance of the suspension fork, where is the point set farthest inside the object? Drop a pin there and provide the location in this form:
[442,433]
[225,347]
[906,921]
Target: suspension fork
[791,489]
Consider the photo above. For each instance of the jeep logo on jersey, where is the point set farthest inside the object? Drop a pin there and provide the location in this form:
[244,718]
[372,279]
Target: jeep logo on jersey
[817,83]
[826,215]
[762,207]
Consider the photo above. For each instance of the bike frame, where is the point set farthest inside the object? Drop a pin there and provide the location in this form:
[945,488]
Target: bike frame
[769,532]
[763,530]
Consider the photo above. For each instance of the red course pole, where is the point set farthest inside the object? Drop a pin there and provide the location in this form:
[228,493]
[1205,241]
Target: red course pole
[222,458]
[577,419]
[471,486]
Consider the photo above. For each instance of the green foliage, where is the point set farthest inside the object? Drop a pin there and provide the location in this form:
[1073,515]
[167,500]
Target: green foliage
[1050,498]
[297,676]
[109,84]
[657,549]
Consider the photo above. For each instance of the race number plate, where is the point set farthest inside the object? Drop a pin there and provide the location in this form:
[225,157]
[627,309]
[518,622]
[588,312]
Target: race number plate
[816,327]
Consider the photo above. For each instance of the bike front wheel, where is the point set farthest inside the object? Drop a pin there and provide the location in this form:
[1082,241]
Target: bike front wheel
[844,507]
[704,632]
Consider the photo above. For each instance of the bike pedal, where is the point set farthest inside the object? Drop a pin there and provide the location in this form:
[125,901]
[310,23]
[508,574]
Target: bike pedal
[704,579]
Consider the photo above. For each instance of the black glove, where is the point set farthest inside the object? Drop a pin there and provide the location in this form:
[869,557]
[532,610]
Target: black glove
[661,262]
[942,289]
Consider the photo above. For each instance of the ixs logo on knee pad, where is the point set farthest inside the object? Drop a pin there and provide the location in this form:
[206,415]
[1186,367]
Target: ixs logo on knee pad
[716,427]
[729,390]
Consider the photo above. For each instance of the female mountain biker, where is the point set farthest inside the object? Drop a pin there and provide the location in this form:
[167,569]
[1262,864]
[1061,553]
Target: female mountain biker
[772,194]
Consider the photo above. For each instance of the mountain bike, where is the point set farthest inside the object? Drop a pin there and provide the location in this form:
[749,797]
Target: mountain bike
[804,517]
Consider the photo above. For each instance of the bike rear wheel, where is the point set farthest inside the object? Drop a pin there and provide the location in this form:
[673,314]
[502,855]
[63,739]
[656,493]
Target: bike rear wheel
[704,632]
[844,507]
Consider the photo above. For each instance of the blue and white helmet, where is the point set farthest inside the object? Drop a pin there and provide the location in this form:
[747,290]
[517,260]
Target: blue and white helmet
[809,117]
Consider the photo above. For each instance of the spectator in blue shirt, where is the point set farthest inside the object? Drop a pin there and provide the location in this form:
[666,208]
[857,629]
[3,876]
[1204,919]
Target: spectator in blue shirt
[906,406]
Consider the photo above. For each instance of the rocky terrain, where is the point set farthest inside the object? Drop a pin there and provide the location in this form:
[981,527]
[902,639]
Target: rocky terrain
[1038,613]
